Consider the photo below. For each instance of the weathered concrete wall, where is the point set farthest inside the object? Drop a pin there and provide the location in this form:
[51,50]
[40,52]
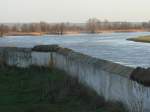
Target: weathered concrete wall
[41,58]
[20,57]
[108,79]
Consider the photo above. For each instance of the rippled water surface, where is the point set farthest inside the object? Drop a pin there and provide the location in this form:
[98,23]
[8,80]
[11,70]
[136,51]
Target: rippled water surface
[109,46]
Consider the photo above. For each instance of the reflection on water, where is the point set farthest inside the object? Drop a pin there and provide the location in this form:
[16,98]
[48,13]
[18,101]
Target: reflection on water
[110,46]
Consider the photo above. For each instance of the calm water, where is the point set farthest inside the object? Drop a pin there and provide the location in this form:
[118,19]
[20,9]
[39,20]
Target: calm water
[110,46]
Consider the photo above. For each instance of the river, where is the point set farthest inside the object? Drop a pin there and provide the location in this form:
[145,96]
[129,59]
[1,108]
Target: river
[109,46]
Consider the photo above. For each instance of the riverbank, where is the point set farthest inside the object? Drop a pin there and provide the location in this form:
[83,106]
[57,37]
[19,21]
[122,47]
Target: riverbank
[47,90]
[24,34]
[145,39]
[70,32]
[36,33]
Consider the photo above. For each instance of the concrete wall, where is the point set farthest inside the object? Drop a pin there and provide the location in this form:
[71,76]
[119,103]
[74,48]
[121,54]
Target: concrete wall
[108,79]
[20,57]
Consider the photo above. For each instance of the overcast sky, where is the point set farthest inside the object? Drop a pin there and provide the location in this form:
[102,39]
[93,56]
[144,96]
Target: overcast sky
[73,10]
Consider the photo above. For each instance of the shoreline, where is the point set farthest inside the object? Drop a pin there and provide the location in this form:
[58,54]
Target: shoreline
[69,33]
[144,39]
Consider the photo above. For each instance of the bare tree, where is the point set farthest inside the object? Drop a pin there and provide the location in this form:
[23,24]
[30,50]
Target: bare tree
[1,31]
[14,28]
[44,26]
[92,25]
[61,28]
[25,28]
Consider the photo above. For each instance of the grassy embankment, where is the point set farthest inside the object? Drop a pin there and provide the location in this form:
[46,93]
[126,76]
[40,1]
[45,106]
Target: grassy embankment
[47,90]
[145,39]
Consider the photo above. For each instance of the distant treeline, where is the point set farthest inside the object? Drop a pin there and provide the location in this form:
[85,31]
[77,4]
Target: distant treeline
[91,26]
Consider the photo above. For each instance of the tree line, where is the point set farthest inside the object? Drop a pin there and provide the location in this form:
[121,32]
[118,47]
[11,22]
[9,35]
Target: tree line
[93,25]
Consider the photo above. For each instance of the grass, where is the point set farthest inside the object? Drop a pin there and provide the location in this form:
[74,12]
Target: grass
[47,90]
[145,39]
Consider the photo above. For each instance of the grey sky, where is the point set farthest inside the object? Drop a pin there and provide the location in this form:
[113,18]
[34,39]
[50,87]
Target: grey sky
[73,10]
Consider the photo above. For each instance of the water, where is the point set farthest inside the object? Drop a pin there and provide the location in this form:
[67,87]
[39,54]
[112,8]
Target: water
[109,46]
